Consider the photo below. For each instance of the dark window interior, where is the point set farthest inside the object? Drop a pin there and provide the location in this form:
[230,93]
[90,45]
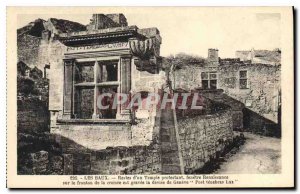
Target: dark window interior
[243,80]
[205,84]
[209,80]
[84,102]
[84,72]
[213,84]
[243,74]
[88,78]
[243,83]
[109,72]
[109,113]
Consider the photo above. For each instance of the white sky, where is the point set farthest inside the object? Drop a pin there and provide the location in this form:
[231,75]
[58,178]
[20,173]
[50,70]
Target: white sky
[192,30]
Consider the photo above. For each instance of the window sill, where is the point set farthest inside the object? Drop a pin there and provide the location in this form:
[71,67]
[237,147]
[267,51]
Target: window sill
[93,121]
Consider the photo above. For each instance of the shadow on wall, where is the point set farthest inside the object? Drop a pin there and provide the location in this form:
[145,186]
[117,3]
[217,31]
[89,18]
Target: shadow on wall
[46,154]
[255,123]
[218,96]
[243,118]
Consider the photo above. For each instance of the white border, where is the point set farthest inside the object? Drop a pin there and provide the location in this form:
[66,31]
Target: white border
[5,3]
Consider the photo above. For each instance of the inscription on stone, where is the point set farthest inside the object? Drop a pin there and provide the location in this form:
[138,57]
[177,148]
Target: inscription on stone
[100,47]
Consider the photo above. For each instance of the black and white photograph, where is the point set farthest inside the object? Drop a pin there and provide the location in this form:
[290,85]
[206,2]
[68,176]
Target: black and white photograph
[172,96]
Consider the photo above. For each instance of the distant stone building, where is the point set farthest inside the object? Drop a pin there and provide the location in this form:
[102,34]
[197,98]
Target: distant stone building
[250,84]
[260,56]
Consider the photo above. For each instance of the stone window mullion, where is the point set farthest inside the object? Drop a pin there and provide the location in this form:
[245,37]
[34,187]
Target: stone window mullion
[125,84]
[68,88]
[96,69]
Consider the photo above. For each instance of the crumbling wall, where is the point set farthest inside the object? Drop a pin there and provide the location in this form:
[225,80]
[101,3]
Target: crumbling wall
[187,78]
[28,49]
[32,116]
[262,96]
[32,104]
[202,137]
[114,161]
[38,153]
[109,150]
[38,52]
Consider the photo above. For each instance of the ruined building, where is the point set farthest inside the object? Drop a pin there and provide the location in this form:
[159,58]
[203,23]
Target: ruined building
[250,84]
[110,56]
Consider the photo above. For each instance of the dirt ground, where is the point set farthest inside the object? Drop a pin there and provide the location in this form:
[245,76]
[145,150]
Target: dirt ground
[259,155]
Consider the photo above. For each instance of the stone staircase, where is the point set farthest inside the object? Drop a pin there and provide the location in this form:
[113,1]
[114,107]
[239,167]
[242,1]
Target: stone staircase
[171,156]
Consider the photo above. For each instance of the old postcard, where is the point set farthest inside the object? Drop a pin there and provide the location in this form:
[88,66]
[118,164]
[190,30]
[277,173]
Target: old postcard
[150,97]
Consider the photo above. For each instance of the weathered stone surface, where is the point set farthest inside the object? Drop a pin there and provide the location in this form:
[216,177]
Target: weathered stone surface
[56,164]
[39,156]
[32,104]
[92,136]
[32,116]
[81,163]
[200,137]
[68,164]
[39,162]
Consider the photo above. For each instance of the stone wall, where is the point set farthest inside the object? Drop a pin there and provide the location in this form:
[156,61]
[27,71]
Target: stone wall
[262,94]
[28,49]
[125,159]
[32,104]
[32,115]
[92,136]
[56,76]
[44,154]
[202,137]
[38,153]
[37,52]
[144,81]
[119,160]
[187,78]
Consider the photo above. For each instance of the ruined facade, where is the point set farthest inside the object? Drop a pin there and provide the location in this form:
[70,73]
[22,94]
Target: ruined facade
[250,87]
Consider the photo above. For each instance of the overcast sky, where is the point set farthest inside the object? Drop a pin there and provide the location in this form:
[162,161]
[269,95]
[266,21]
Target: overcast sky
[193,30]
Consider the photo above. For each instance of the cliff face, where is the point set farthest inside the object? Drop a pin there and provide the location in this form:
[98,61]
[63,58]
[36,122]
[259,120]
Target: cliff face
[36,27]
[65,26]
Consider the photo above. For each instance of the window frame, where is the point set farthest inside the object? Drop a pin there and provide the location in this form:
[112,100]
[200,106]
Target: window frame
[242,78]
[209,79]
[97,84]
